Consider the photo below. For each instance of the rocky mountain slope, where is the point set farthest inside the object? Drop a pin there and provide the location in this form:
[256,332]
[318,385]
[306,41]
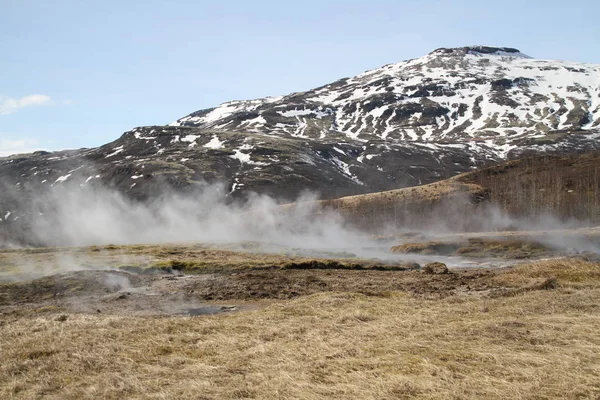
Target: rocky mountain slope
[404,124]
[493,100]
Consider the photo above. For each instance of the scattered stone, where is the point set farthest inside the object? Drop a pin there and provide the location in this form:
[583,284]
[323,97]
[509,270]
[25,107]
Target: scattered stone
[412,266]
[435,268]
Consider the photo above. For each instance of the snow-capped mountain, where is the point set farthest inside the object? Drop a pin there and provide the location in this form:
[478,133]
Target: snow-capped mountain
[487,98]
[400,125]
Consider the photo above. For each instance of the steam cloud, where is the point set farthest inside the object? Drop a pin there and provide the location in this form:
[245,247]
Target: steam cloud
[91,215]
[81,215]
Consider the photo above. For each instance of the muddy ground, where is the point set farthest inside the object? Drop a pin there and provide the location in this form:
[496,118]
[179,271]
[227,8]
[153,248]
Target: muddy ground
[196,279]
[119,292]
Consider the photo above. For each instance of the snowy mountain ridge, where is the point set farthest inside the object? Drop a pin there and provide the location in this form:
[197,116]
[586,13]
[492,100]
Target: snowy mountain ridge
[485,97]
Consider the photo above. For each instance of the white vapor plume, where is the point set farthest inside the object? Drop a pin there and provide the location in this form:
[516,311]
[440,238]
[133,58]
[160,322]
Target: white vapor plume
[74,215]
[92,216]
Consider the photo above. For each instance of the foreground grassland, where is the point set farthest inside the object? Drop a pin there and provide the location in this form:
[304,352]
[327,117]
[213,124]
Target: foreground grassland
[529,331]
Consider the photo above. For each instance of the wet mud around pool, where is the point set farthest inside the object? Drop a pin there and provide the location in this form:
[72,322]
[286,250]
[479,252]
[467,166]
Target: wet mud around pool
[126,293]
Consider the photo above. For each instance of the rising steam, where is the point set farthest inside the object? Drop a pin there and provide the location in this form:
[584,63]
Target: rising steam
[76,214]
[71,215]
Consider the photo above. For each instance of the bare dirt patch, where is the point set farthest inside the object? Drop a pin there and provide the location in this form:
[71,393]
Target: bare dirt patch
[290,284]
[126,293]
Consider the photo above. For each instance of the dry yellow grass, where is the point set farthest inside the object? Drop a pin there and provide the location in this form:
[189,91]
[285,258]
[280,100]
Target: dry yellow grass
[192,258]
[412,207]
[422,194]
[536,344]
[479,247]
[567,272]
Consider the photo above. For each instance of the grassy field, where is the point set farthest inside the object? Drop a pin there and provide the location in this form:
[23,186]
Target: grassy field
[528,331]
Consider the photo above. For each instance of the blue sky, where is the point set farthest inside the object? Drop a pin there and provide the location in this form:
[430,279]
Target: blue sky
[80,73]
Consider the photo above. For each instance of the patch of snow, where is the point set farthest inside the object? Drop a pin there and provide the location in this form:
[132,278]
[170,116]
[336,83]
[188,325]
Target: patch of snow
[319,113]
[260,120]
[116,151]
[138,135]
[240,155]
[214,143]
[73,170]
[345,169]
[61,179]
[301,127]
[235,185]
[190,138]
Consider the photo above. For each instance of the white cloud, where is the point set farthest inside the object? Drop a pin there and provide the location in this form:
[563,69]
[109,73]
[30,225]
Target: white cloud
[8,147]
[9,105]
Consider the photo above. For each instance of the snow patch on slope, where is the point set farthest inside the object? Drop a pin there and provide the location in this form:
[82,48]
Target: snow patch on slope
[214,143]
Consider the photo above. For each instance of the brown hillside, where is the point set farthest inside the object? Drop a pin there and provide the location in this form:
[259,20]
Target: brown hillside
[567,187]
[447,201]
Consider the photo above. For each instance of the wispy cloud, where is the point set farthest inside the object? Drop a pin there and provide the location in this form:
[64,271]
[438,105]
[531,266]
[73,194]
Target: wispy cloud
[8,147]
[9,105]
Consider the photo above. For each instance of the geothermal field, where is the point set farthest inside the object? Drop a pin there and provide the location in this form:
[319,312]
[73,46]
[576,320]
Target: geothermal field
[215,200]
[416,314]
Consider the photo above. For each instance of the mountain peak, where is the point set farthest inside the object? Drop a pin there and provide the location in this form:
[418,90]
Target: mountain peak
[480,50]
[494,99]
